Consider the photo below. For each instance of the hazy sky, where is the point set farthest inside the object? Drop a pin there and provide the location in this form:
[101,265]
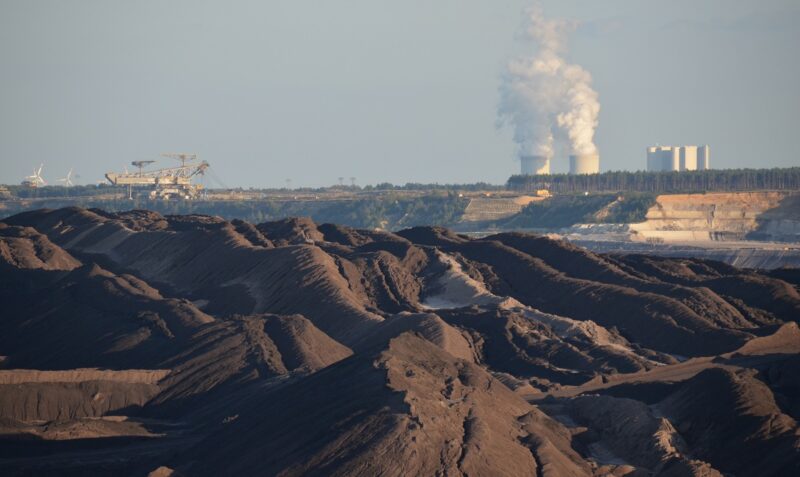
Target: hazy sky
[380,90]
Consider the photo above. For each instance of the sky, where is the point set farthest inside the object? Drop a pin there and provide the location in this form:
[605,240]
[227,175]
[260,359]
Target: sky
[383,91]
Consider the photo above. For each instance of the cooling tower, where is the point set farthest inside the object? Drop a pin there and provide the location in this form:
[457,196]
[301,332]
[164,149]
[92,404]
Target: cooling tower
[584,164]
[532,165]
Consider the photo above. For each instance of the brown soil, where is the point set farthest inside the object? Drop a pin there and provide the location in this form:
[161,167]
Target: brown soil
[135,343]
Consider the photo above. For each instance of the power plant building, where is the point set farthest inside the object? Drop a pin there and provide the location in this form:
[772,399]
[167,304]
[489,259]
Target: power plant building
[678,158]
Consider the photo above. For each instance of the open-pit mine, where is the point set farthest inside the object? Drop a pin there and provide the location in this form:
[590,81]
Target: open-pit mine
[136,343]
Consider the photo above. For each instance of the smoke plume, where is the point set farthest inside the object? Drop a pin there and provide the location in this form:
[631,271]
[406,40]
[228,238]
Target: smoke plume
[545,98]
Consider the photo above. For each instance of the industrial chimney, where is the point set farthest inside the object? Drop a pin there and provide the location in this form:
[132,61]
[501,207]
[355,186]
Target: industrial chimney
[532,165]
[584,164]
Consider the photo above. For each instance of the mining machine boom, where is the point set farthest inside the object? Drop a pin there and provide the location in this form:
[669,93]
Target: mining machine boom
[164,183]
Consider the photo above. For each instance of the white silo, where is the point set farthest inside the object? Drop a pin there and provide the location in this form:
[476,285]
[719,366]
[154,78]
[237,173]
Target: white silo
[533,165]
[584,164]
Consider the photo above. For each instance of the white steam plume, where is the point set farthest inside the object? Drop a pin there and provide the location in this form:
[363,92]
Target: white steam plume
[544,97]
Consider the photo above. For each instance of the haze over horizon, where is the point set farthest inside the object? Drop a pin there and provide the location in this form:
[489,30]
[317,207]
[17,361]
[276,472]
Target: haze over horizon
[384,92]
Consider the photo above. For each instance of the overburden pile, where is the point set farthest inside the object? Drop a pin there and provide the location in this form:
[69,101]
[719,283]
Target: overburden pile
[135,343]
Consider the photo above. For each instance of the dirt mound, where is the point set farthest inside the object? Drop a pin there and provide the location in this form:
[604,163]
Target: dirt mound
[76,429]
[783,379]
[252,234]
[301,344]
[51,401]
[91,317]
[164,471]
[434,236]
[24,247]
[353,237]
[539,349]
[386,276]
[295,230]
[655,321]
[427,325]
[580,263]
[789,275]
[291,348]
[629,430]
[411,410]
[785,340]
[729,418]
[216,266]
[760,298]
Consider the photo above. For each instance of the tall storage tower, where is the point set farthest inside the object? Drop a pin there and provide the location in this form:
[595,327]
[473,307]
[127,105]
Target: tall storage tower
[584,164]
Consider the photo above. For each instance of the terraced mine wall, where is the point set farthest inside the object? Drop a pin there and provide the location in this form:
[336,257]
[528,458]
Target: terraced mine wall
[481,209]
[773,216]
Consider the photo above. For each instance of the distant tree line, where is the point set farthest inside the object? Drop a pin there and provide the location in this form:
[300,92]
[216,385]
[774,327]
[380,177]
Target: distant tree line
[477,186]
[722,180]
[24,192]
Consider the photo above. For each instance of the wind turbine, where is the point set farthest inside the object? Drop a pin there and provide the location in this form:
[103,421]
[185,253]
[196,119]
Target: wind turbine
[35,180]
[67,180]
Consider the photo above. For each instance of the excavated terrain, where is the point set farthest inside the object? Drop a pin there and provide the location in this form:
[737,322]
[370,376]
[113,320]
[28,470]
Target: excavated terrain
[770,216]
[139,344]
